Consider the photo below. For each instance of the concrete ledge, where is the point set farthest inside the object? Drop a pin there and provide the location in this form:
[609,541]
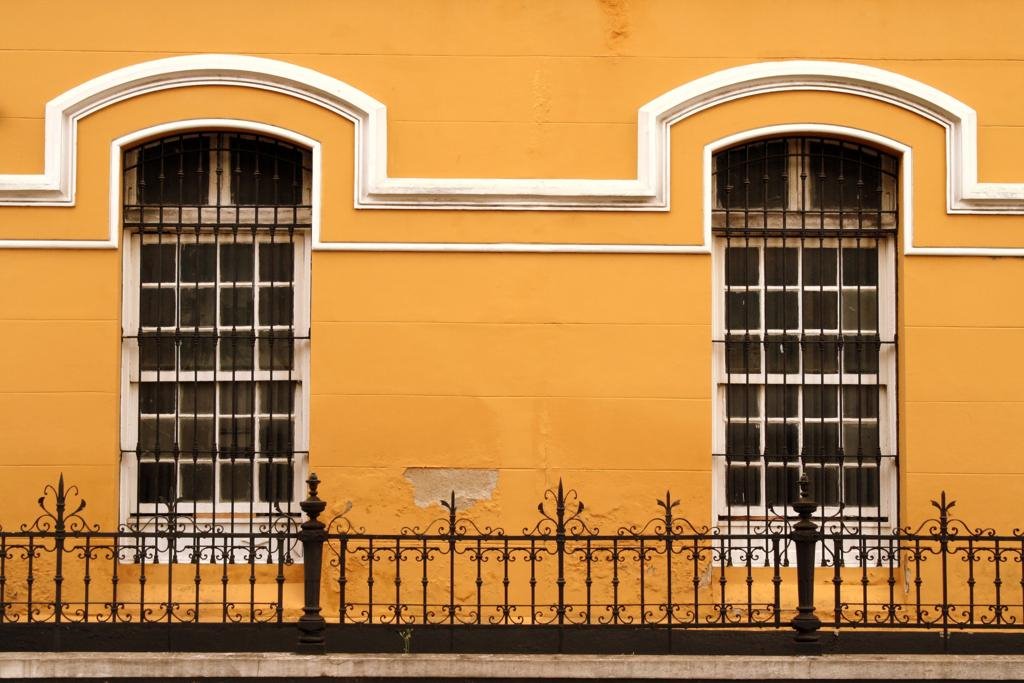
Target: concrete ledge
[420,666]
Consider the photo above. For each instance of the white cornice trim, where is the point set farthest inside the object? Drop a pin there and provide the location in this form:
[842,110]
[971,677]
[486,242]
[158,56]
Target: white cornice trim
[649,191]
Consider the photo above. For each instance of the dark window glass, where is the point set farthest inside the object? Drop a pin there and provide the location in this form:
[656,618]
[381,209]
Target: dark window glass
[741,400]
[781,400]
[819,266]
[277,262]
[175,171]
[782,354]
[276,482]
[860,486]
[742,310]
[843,176]
[743,354]
[156,482]
[752,176]
[743,485]
[860,266]
[743,438]
[157,263]
[741,266]
[265,172]
[780,266]
[236,481]
[782,485]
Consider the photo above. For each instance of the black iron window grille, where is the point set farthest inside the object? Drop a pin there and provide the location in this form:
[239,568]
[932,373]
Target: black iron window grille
[805,342]
[216,329]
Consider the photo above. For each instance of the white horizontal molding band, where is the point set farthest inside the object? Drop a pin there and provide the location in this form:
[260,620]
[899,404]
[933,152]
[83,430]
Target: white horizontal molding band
[649,191]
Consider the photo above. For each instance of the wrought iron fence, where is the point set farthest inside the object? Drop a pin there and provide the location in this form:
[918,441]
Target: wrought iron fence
[561,574]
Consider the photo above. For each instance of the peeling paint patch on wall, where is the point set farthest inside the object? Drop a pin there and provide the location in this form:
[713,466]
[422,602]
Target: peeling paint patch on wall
[433,484]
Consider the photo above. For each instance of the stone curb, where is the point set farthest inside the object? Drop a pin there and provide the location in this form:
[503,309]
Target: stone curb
[274,665]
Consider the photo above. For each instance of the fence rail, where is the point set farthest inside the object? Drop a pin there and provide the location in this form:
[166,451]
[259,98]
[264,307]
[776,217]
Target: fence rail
[667,575]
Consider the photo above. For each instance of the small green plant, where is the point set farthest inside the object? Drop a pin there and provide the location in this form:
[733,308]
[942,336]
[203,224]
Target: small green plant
[406,640]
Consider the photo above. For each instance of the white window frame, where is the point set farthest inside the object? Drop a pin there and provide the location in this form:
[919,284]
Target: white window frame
[888,419]
[302,239]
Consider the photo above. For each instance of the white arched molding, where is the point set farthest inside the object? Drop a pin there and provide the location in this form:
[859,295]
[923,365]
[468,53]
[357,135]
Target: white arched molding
[374,189]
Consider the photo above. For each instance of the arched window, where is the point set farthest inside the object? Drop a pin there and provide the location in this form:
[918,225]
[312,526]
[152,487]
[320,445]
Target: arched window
[805,317]
[216,326]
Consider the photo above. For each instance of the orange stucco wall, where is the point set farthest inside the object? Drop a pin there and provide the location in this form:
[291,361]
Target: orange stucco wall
[595,368]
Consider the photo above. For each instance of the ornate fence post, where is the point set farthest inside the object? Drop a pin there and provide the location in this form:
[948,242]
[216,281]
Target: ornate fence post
[560,550]
[805,535]
[313,534]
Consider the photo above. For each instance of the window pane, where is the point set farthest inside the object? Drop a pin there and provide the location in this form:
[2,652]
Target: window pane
[860,266]
[741,266]
[860,310]
[821,354]
[156,434]
[843,176]
[198,263]
[743,485]
[276,305]
[197,352]
[236,307]
[819,266]
[821,401]
[174,171]
[742,355]
[156,352]
[236,350]
[235,481]
[860,401]
[860,486]
[235,436]
[276,436]
[156,482]
[860,354]
[781,400]
[236,262]
[157,263]
[156,397]
[781,266]
[265,172]
[753,176]
[237,398]
[860,439]
[782,485]
[197,482]
[743,438]
[197,307]
[781,310]
[821,439]
[741,400]
[276,262]
[824,484]
[197,436]
[197,397]
[156,307]
[276,351]
[820,311]
[782,353]
[742,310]
[276,482]
[781,439]
[277,397]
